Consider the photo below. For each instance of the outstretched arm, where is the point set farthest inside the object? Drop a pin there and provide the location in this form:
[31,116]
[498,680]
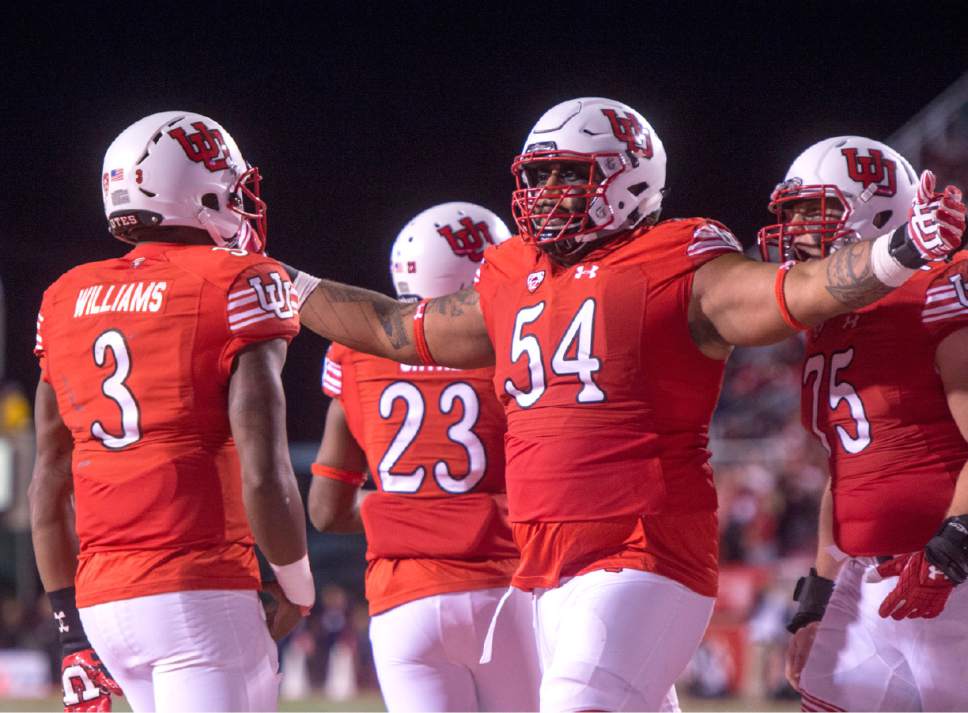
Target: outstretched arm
[736,301]
[734,297]
[374,323]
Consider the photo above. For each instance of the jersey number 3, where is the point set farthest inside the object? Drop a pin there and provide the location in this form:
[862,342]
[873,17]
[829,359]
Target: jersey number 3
[115,389]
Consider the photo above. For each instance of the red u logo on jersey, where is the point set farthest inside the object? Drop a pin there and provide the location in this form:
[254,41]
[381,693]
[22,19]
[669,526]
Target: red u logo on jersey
[206,146]
[628,129]
[470,241]
[873,170]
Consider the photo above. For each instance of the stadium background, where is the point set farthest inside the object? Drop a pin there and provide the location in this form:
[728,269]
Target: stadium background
[361,116]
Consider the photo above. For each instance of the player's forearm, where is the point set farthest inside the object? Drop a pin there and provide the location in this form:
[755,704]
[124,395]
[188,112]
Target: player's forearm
[334,506]
[52,533]
[345,522]
[361,319]
[276,516]
[269,489]
[842,282]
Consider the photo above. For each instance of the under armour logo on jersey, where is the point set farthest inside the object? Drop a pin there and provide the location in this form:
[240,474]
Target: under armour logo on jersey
[934,572]
[61,626]
[589,272]
[535,279]
[630,130]
[850,321]
[275,297]
[206,146]
[470,241]
[870,171]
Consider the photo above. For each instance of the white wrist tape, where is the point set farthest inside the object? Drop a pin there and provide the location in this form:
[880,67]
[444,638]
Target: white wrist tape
[296,581]
[304,284]
[886,269]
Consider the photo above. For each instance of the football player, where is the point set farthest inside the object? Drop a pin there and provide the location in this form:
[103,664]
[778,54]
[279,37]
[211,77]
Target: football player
[161,434]
[439,548]
[609,332]
[885,390]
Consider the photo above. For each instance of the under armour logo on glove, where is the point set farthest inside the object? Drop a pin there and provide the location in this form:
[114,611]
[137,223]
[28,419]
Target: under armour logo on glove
[936,221]
[922,589]
[87,684]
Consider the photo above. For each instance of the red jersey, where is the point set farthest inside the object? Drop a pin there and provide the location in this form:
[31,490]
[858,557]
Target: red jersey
[139,352]
[872,395]
[433,439]
[608,402]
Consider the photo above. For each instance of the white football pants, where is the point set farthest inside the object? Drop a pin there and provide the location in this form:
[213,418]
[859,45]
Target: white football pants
[427,654]
[188,651]
[617,641]
[862,662]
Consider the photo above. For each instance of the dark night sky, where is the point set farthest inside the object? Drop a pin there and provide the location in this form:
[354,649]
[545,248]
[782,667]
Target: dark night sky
[363,118]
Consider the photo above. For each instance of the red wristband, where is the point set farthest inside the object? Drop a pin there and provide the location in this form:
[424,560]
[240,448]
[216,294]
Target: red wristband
[791,321]
[347,476]
[420,337]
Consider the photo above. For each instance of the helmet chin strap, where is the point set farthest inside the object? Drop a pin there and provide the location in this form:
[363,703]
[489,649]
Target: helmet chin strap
[212,231]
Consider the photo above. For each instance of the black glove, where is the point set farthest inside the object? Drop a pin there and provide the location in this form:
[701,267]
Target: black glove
[812,592]
[948,549]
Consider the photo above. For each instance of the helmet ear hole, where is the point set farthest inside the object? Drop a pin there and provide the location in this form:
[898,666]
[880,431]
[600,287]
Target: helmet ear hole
[636,188]
[881,218]
[210,201]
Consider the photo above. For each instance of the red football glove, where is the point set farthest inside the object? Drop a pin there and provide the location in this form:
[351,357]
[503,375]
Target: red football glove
[936,221]
[87,684]
[922,589]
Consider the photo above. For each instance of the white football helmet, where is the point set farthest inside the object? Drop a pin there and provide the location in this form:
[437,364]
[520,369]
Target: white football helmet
[440,250]
[180,168]
[873,183]
[626,172]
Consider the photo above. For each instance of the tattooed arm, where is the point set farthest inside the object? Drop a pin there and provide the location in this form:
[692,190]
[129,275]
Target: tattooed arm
[377,324]
[733,300]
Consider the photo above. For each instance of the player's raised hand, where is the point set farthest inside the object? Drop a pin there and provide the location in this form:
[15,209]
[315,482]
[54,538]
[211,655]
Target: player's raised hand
[922,589]
[87,683]
[936,221]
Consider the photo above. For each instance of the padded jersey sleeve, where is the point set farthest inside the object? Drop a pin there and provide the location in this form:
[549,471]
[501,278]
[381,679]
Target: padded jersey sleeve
[259,305]
[945,308]
[332,377]
[710,239]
